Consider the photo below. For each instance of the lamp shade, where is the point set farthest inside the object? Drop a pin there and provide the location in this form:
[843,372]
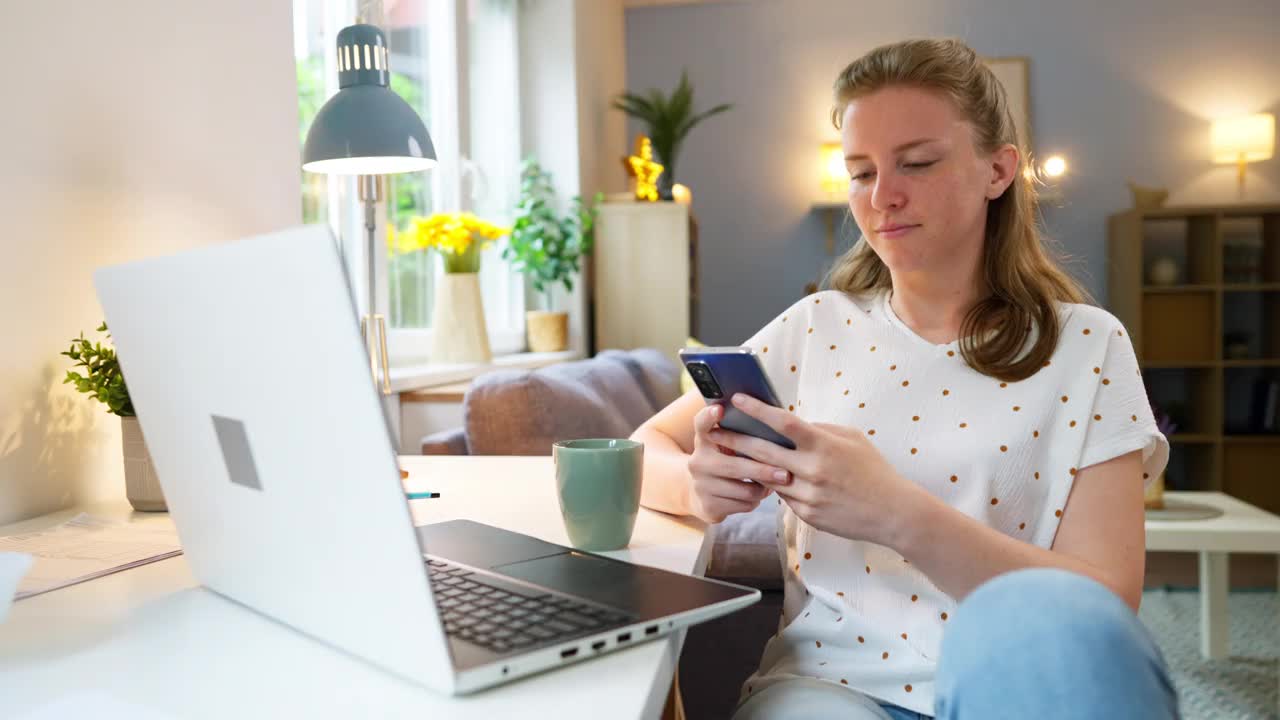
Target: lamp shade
[366,129]
[1244,139]
[835,178]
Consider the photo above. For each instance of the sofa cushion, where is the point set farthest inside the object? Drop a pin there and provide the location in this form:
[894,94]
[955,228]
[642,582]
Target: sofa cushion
[746,548]
[522,412]
[657,376]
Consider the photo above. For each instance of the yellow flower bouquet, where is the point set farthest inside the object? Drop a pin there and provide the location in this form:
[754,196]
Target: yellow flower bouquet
[458,237]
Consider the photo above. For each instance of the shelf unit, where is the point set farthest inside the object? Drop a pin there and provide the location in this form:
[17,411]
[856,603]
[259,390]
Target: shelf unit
[1180,334]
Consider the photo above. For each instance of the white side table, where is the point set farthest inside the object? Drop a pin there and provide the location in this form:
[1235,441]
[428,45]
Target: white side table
[1241,528]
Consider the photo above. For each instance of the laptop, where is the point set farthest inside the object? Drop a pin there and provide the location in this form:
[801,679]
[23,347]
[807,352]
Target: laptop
[249,376]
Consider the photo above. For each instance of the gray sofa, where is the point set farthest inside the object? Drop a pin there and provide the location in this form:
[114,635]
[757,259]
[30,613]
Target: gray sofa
[522,412]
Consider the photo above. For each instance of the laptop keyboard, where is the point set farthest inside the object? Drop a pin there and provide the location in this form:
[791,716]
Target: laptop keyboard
[503,616]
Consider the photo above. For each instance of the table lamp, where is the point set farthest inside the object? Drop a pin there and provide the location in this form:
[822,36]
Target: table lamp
[835,178]
[1243,140]
[367,130]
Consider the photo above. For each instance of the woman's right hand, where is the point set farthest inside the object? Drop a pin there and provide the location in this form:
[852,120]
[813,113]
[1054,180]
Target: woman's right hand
[718,489]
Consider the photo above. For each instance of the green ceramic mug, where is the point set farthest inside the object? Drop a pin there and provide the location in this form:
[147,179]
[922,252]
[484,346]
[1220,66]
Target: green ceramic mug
[598,483]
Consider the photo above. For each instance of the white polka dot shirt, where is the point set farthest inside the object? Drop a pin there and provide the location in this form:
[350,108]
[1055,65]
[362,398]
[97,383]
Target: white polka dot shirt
[858,614]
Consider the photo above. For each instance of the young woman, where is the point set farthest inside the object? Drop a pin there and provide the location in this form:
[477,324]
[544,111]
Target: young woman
[961,524]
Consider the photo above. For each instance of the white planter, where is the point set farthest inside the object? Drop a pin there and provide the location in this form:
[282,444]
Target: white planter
[458,331]
[141,484]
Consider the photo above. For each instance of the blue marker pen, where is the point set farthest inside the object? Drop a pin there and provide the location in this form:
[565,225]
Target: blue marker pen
[421,495]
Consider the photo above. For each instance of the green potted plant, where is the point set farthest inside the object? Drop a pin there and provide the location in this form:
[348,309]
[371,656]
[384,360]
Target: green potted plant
[668,120]
[547,247]
[103,381]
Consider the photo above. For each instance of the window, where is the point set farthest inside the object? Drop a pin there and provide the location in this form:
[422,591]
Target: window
[455,62]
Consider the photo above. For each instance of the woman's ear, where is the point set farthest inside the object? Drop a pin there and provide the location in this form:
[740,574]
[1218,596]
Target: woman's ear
[1004,168]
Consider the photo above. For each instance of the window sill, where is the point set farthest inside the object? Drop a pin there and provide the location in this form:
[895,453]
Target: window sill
[416,377]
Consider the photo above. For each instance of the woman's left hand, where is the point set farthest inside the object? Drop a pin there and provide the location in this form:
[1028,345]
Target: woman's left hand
[838,481]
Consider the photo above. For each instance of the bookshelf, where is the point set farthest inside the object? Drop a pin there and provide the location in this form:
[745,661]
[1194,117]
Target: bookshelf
[1208,342]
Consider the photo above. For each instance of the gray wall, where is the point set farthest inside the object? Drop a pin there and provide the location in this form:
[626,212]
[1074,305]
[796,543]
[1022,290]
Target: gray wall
[1124,89]
[131,129]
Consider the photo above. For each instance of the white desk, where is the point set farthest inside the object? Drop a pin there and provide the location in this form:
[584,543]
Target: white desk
[151,637]
[1241,528]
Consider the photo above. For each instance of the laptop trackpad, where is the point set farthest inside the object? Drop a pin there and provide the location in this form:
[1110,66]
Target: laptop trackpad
[612,583]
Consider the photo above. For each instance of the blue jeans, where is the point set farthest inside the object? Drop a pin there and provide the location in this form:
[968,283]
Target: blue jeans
[1043,644]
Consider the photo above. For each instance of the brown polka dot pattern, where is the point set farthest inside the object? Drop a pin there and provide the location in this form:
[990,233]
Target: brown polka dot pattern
[793,368]
[964,425]
[1057,513]
[818,643]
[808,556]
[944,617]
[951,353]
[908,688]
[1086,331]
[945,392]
[884,656]
[915,598]
[954,478]
[862,639]
[906,383]
[861,405]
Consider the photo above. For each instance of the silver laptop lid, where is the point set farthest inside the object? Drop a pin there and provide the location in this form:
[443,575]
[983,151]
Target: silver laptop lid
[245,364]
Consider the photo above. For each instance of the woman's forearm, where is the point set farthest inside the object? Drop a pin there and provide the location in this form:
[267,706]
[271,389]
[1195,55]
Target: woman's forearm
[666,483]
[958,553]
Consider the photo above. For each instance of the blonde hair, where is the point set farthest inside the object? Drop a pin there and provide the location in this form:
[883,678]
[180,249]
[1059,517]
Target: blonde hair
[1024,282]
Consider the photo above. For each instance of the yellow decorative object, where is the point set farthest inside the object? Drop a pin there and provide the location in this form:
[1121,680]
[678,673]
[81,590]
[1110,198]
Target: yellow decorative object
[1243,140]
[642,167]
[458,237]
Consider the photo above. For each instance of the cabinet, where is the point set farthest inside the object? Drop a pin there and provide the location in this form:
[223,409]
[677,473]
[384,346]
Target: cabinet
[1199,290]
[645,284]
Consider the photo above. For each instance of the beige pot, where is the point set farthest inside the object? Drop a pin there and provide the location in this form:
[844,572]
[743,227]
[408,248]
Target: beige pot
[548,331]
[458,329]
[141,484]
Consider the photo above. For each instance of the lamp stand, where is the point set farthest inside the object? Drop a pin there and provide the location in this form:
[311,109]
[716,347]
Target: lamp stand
[373,325]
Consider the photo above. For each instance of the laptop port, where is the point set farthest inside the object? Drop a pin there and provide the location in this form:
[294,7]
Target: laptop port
[566,654]
[598,645]
[624,637]
[651,630]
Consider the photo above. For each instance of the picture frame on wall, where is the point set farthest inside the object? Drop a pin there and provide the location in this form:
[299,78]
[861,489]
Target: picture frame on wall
[1014,74]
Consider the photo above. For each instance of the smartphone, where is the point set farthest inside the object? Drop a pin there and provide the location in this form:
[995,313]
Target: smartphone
[719,373]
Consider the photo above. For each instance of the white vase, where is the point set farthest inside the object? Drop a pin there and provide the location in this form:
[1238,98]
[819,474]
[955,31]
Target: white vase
[458,332]
[141,484]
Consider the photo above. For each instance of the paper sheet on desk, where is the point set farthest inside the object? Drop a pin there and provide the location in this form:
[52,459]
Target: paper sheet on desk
[86,547]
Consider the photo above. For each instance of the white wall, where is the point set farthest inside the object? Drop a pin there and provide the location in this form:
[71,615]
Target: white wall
[572,63]
[131,129]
